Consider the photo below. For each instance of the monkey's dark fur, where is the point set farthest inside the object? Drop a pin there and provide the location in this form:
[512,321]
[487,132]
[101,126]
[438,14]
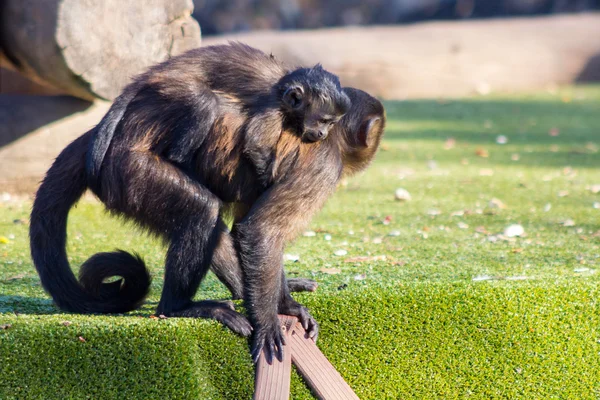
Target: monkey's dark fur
[186,143]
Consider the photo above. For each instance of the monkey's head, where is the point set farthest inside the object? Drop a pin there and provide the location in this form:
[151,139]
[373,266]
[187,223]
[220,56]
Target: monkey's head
[313,101]
[360,130]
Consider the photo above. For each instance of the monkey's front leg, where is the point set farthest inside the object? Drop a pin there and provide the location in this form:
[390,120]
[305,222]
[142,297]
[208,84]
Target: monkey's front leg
[226,266]
[261,256]
[260,238]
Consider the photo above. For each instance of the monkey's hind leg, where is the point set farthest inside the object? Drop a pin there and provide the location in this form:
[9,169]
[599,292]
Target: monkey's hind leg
[162,197]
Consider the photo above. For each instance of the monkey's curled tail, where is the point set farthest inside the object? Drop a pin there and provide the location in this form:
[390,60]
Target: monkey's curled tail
[62,187]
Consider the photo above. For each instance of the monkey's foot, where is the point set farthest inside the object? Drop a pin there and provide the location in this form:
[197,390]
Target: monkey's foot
[221,311]
[291,307]
[302,285]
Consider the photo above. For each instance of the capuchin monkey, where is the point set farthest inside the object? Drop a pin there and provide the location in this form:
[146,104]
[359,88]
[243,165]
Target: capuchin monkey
[212,131]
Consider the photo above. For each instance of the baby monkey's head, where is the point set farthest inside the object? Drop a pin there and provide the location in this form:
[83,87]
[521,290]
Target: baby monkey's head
[312,101]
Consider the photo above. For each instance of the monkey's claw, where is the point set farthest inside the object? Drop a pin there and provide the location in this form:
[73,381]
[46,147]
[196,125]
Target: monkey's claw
[234,321]
[270,340]
[310,325]
[221,311]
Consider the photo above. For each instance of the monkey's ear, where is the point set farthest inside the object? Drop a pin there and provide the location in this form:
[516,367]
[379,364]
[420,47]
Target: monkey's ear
[366,128]
[293,97]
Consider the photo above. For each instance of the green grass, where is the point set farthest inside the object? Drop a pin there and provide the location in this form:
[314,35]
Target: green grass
[455,310]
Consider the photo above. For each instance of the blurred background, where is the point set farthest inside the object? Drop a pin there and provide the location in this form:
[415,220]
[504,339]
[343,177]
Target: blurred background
[224,16]
[63,61]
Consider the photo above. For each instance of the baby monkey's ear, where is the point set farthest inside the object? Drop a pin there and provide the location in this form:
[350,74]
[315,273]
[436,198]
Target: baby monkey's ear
[368,128]
[293,97]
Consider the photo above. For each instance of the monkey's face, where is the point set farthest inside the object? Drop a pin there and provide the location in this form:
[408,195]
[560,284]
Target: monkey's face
[315,111]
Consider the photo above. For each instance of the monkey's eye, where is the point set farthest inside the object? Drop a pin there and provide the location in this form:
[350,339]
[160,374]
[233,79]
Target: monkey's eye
[326,121]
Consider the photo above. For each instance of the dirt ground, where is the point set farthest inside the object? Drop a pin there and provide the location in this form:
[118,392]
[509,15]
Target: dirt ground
[429,60]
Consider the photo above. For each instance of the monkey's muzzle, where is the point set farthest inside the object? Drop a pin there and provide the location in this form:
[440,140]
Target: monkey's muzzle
[314,136]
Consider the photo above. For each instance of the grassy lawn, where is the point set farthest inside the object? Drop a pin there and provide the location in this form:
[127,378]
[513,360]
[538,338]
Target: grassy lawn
[431,299]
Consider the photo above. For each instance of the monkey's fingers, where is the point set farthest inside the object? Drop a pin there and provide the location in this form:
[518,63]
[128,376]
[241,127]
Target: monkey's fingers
[220,311]
[309,324]
[302,285]
[289,306]
[236,322]
[269,341]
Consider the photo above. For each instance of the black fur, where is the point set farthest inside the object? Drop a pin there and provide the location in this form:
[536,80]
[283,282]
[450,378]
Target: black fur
[193,137]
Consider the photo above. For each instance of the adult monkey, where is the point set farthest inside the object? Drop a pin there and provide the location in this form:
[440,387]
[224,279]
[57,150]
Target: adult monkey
[157,172]
[354,140]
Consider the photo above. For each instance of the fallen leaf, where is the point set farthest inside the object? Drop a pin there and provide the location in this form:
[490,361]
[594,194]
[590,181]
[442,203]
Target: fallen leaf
[568,222]
[591,147]
[3,239]
[481,229]
[486,172]
[15,277]
[340,252]
[331,271]
[360,259]
[563,193]
[66,323]
[481,152]
[387,220]
[515,157]
[81,339]
[153,317]
[518,250]
[462,225]
[449,143]
[496,203]
[309,234]
[595,188]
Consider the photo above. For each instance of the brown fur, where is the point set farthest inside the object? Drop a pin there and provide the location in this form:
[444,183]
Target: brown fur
[186,139]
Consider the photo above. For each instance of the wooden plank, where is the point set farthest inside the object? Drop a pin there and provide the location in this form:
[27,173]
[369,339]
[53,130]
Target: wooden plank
[272,381]
[324,380]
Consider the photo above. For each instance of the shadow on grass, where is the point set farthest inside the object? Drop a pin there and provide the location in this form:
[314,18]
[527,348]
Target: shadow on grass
[27,305]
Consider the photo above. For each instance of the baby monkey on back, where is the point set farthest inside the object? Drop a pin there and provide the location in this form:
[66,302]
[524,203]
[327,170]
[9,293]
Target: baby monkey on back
[221,128]
[234,87]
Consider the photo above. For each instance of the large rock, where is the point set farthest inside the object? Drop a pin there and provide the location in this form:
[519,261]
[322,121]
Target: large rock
[91,48]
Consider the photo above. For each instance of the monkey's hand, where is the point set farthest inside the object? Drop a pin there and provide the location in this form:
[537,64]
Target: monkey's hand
[289,306]
[270,338]
[302,285]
